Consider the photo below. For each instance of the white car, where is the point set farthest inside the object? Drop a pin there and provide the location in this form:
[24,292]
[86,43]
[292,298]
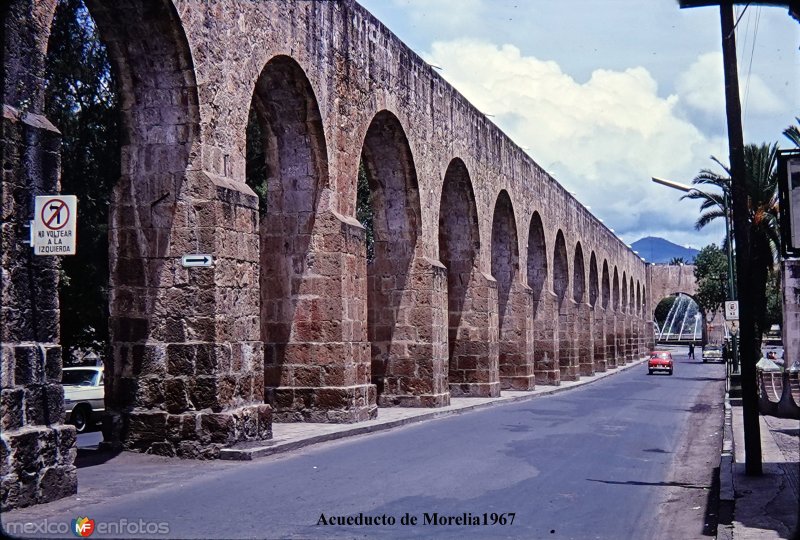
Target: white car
[84,395]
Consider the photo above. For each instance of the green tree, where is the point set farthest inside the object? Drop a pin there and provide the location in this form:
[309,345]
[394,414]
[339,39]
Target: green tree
[256,167]
[81,101]
[662,309]
[677,260]
[364,212]
[774,301]
[761,185]
[711,276]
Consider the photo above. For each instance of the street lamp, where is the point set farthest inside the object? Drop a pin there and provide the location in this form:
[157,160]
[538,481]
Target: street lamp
[729,251]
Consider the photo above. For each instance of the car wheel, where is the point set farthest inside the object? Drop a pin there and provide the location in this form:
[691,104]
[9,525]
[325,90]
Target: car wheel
[669,372]
[649,371]
[80,418]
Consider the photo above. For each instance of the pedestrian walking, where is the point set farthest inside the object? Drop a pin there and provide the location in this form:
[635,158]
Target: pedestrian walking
[691,350]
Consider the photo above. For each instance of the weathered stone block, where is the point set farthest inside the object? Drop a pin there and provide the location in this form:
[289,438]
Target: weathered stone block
[12,408]
[176,395]
[28,366]
[145,428]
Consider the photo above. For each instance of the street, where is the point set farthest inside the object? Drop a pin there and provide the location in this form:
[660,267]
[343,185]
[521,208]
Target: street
[630,456]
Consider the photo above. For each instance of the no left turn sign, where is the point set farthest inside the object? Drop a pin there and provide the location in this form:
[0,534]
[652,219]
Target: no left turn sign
[55,214]
[54,225]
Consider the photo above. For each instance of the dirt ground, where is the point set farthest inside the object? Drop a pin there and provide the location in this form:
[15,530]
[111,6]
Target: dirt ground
[691,502]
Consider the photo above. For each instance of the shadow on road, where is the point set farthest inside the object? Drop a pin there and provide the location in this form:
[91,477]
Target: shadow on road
[707,379]
[88,457]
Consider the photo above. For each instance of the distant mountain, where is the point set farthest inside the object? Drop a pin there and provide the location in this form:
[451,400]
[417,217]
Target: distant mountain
[658,250]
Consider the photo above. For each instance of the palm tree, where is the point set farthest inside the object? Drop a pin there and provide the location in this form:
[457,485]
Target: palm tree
[675,261]
[761,184]
[793,133]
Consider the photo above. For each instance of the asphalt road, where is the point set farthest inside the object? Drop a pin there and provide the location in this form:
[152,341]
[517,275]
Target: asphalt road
[598,461]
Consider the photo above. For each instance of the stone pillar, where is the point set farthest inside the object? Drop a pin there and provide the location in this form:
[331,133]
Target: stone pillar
[599,339]
[584,332]
[650,336]
[568,340]
[37,450]
[640,346]
[611,339]
[545,347]
[474,354]
[185,373]
[516,340]
[413,352]
[321,373]
[791,309]
[628,338]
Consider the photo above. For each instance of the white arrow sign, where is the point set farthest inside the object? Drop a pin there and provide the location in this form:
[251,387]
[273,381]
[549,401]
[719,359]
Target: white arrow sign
[197,259]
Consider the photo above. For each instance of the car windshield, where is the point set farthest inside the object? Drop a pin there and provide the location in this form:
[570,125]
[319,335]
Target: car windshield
[663,355]
[79,377]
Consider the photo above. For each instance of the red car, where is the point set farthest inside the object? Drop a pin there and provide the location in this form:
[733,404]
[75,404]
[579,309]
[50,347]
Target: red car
[659,361]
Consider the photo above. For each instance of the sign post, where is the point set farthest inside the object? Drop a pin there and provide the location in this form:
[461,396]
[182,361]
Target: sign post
[55,221]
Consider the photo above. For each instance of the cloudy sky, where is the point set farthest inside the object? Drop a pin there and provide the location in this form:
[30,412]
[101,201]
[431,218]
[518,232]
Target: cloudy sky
[607,94]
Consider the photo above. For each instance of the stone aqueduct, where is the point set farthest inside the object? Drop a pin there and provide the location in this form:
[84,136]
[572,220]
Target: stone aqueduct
[487,274]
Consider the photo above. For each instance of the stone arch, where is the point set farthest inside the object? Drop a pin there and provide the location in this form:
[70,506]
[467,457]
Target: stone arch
[617,337]
[594,285]
[632,298]
[567,357]
[505,253]
[560,268]
[472,366]
[624,297]
[638,298]
[408,342]
[537,259]
[598,330]
[149,53]
[544,345]
[286,127]
[156,156]
[513,299]
[169,329]
[581,319]
[578,275]
[644,301]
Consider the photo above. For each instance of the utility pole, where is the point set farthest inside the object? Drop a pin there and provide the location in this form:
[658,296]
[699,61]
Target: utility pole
[741,231]
[748,353]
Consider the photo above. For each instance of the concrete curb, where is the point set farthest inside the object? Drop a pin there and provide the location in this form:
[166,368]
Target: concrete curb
[287,445]
[726,488]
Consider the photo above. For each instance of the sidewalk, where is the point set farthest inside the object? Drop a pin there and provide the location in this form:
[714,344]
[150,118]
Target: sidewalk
[291,436]
[767,506]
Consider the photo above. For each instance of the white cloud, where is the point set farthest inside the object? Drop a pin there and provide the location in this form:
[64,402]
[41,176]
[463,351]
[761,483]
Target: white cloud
[602,139]
[702,88]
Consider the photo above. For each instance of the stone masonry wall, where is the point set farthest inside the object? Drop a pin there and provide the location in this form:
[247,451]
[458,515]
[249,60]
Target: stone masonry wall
[292,317]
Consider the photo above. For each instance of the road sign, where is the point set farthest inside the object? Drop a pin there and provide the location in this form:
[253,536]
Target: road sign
[733,326]
[732,310]
[55,222]
[197,260]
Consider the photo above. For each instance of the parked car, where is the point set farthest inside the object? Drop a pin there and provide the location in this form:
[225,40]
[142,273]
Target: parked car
[659,361]
[84,395]
[712,352]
